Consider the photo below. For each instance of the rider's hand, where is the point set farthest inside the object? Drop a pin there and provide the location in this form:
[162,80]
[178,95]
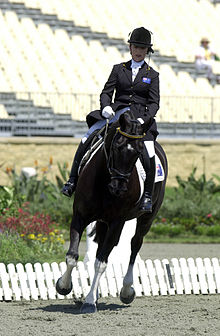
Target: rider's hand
[108,112]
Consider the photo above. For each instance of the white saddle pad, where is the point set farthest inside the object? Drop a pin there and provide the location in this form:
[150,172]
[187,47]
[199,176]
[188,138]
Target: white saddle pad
[159,174]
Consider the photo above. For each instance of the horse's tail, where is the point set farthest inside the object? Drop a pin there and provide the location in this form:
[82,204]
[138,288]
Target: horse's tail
[99,230]
[93,232]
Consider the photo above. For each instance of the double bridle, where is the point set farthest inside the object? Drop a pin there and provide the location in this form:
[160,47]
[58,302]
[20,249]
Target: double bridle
[109,159]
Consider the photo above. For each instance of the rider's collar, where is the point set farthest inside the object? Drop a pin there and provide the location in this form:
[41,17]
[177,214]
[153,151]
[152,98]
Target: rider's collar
[136,64]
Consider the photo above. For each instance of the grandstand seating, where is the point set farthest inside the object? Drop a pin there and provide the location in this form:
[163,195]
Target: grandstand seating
[68,47]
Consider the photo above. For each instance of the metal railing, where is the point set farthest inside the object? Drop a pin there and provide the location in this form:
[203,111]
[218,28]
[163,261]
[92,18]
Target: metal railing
[78,105]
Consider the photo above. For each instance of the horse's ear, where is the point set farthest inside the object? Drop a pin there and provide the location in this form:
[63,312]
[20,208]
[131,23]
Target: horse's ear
[124,120]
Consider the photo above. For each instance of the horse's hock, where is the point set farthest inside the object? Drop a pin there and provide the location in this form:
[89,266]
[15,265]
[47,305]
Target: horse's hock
[151,277]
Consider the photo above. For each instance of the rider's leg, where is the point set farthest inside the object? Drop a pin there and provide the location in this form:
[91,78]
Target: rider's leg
[146,203]
[70,186]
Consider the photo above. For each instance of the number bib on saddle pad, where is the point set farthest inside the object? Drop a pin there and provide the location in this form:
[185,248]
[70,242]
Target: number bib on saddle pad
[159,174]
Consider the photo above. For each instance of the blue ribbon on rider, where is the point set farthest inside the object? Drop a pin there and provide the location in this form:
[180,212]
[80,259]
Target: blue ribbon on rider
[146,80]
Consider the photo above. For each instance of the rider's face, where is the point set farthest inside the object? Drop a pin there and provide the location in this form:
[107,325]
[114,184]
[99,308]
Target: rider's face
[138,53]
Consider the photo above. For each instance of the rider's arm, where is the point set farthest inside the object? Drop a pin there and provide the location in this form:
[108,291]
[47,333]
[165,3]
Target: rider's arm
[108,90]
[153,100]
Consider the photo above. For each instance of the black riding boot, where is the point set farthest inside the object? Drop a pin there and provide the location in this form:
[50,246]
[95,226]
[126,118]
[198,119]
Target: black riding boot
[70,186]
[146,202]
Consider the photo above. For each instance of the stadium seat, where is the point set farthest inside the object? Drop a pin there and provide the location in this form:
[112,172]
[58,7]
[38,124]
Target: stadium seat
[36,57]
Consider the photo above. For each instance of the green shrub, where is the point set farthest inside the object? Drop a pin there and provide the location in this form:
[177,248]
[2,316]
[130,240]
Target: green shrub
[176,230]
[213,231]
[16,249]
[42,195]
[23,222]
[192,199]
[160,229]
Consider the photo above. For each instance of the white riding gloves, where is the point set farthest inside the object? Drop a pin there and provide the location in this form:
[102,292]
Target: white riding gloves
[108,112]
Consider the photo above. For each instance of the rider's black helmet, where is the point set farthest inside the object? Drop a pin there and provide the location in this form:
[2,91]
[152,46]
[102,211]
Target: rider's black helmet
[141,37]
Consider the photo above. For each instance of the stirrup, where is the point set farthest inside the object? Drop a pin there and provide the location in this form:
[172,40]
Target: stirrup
[68,188]
[146,204]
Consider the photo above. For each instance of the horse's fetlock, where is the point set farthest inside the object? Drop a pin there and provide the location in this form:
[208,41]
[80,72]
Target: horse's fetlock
[71,260]
[100,266]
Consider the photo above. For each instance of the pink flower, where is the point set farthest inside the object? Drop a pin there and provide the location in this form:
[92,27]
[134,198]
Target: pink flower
[209,215]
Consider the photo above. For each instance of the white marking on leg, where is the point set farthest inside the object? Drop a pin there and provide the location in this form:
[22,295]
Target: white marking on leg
[100,267]
[128,282]
[65,280]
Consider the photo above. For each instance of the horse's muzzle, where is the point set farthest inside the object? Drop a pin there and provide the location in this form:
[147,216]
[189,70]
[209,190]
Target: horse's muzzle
[118,187]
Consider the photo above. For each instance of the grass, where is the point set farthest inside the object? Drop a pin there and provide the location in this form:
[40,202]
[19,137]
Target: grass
[183,239]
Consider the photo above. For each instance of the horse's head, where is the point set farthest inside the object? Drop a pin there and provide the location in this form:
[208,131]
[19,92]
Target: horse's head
[126,146]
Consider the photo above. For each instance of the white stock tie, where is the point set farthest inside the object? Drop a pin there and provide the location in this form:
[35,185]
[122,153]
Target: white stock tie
[135,66]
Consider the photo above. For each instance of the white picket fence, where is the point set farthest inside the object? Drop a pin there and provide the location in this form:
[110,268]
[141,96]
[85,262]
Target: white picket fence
[177,276]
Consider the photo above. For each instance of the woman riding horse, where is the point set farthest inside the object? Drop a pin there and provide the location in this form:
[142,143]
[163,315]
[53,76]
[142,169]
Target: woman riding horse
[136,87]
[109,192]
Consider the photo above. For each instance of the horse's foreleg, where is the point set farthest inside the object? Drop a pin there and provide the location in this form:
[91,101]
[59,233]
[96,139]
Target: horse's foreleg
[64,284]
[127,293]
[90,302]
[107,240]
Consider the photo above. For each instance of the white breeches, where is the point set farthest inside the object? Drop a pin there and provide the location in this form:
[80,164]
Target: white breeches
[150,148]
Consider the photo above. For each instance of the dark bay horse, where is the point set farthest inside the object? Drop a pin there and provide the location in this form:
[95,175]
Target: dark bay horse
[108,192]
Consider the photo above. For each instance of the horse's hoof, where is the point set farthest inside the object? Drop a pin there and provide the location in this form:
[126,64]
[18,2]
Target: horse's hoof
[88,308]
[128,299]
[63,291]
